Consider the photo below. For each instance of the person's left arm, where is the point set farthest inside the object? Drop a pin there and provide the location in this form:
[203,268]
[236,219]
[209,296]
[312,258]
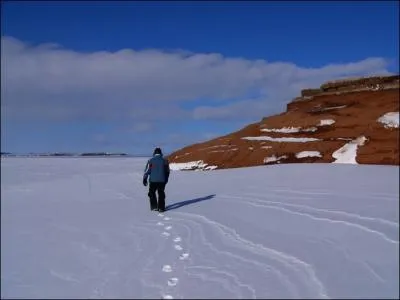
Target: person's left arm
[166,170]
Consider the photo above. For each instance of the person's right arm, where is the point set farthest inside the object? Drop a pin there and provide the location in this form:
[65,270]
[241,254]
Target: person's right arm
[167,171]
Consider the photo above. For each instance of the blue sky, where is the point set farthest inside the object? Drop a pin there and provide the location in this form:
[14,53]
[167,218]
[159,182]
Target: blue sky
[128,76]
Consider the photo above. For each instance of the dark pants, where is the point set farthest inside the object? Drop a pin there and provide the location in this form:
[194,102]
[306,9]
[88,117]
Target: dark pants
[159,187]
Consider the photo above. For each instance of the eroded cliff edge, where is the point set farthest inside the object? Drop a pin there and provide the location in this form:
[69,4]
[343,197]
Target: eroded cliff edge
[351,120]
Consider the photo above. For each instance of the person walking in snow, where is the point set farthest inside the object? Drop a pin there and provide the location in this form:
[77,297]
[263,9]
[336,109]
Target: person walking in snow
[157,168]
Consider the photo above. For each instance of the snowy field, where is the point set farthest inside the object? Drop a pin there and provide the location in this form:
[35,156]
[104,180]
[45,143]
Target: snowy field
[82,228]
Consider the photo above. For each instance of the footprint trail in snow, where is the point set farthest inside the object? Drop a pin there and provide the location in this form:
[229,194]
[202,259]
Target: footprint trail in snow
[178,247]
[184,256]
[172,281]
[167,268]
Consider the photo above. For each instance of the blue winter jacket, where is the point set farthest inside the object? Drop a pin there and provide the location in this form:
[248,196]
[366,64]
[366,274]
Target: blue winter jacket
[157,168]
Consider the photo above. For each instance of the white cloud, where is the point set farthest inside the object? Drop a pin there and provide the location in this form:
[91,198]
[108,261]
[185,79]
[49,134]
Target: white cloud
[50,83]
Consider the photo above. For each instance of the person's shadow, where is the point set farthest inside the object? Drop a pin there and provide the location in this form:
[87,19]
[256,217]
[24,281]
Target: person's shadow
[187,202]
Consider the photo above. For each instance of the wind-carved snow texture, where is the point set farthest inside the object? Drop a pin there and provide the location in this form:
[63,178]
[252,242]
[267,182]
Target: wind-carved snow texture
[85,230]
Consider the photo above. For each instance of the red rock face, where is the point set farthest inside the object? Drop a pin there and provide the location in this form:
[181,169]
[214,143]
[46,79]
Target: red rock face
[320,124]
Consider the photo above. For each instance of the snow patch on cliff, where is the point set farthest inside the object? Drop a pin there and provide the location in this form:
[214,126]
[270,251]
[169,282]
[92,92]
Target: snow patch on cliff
[348,153]
[273,158]
[326,122]
[192,165]
[303,154]
[280,139]
[390,120]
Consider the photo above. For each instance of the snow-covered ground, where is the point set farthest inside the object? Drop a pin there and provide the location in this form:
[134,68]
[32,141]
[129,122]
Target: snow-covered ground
[81,227]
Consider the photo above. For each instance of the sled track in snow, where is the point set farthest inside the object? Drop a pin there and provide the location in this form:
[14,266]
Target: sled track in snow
[282,275]
[345,218]
[209,254]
